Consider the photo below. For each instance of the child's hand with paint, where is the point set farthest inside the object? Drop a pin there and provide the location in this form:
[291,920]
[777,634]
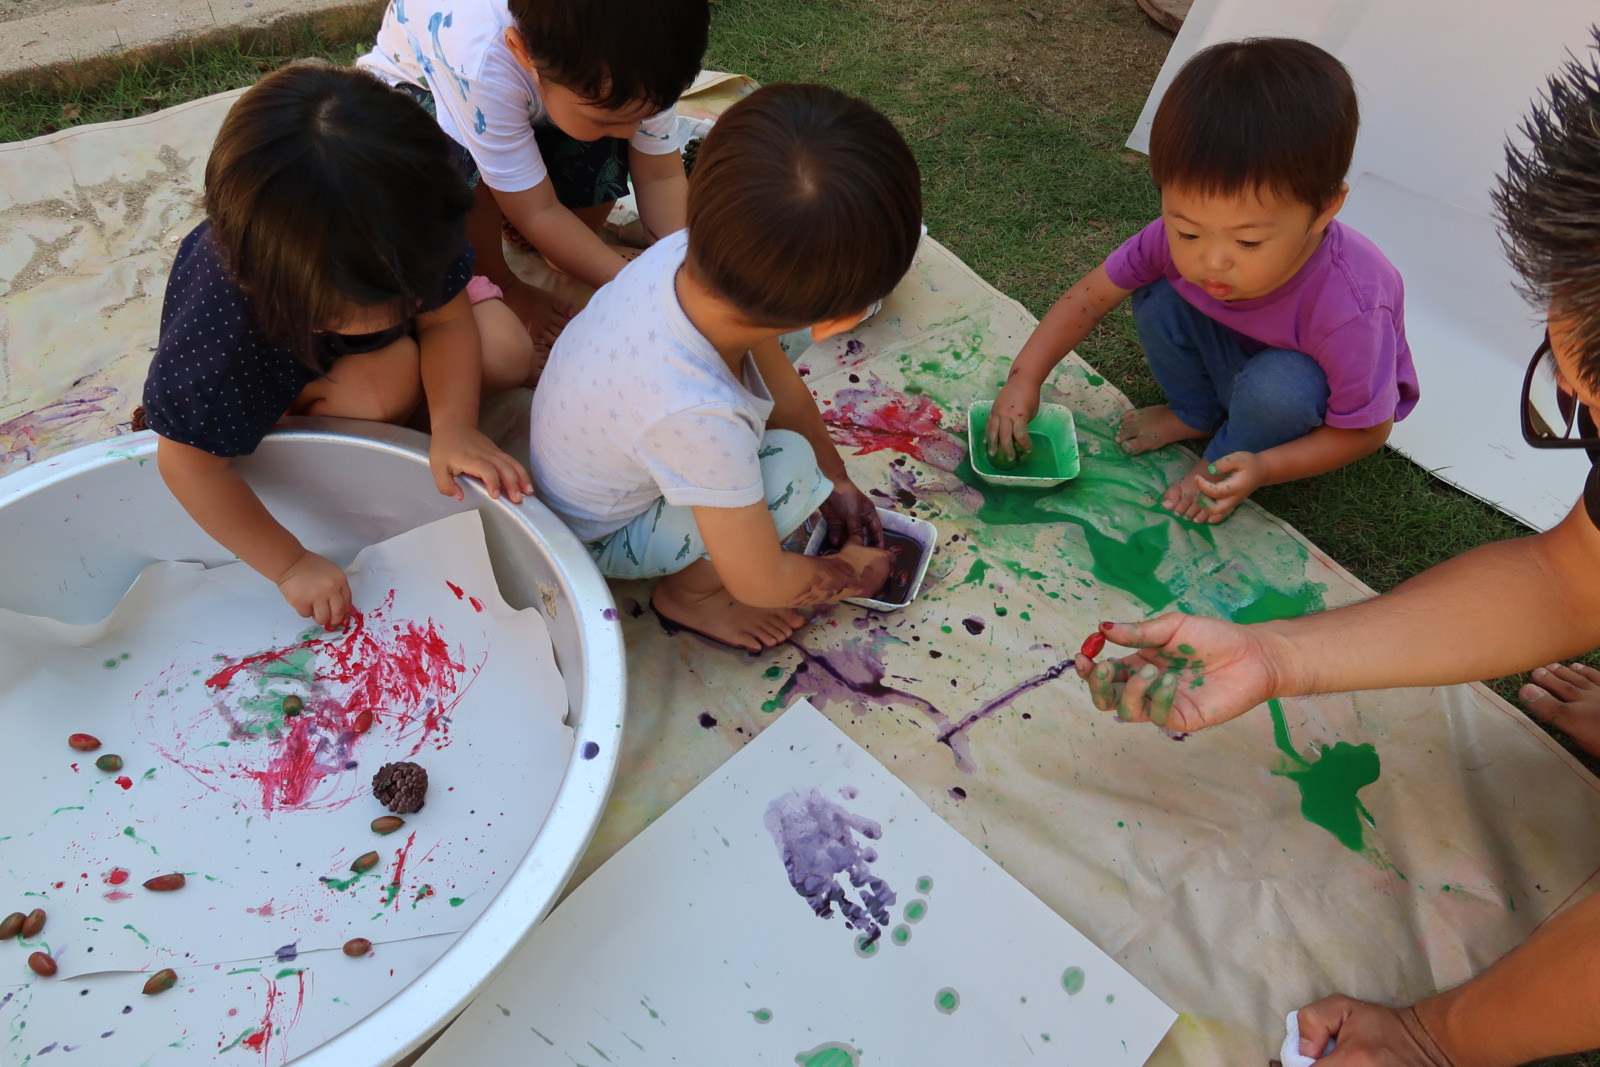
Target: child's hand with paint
[1190,671]
[316,589]
[1229,482]
[1006,434]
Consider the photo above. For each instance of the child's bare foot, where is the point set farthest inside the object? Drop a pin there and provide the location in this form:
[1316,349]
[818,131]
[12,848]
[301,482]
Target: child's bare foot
[1567,696]
[543,313]
[721,618]
[1185,498]
[1147,429]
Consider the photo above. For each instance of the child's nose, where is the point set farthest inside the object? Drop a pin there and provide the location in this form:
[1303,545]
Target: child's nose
[1215,256]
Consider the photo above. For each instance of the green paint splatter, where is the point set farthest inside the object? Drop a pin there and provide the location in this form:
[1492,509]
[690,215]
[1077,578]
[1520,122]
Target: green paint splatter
[503,1009]
[901,935]
[341,884]
[136,933]
[1329,782]
[975,574]
[456,902]
[1111,998]
[778,698]
[1276,604]
[924,884]
[773,671]
[1072,981]
[946,1001]
[546,1040]
[866,948]
[288,972]
[110,664]
[597,1051]
[761,1015]
[830,1054]
[916,911]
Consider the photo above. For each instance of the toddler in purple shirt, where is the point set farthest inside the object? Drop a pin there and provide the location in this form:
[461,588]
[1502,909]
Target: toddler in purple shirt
[1273,329]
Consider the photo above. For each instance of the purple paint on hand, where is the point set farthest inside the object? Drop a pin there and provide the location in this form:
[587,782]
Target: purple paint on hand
[816,839]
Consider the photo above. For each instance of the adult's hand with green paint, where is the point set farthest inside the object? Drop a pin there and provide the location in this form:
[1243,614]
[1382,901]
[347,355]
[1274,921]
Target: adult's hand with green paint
[1006,433]
[1190,672]
[1367,1035]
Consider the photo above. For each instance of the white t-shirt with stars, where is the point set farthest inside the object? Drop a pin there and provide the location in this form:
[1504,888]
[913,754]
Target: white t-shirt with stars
[635,405]
[485,100]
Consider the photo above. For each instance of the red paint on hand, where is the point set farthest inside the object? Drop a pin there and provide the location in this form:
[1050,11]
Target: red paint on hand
[1093,645]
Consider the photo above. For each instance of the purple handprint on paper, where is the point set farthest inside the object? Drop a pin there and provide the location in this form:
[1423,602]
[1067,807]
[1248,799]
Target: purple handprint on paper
[816,839]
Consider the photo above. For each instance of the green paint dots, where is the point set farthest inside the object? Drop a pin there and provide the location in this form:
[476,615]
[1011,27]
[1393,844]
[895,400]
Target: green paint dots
[110,664]
[772,672]
[503,1009]
[924,884]
[975,574]
[1044,1037]
[946,630]
[946,1001]
[456,902]
[762,1015]
[901,935]
[137,934]
[916,911]
[1072,981]
[1092,379]
[830,1054]
[1329,783]
[1110,998]
[866,947]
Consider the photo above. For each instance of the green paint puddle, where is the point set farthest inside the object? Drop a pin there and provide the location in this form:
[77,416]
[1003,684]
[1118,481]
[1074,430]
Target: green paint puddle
[1329,782]
[946,1001]
[778,698]
[1276,604]
[830,1054]
[772,672]
[761,1015]
[1039,462]
[1072,981]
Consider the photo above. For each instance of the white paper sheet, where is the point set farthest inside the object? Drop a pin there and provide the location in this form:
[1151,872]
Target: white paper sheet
[262,811]
[694,944]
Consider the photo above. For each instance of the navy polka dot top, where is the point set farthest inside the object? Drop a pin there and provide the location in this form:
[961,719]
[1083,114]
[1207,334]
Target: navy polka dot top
[217,382]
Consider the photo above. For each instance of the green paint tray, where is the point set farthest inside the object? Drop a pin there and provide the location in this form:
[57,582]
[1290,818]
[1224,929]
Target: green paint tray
[1055,448]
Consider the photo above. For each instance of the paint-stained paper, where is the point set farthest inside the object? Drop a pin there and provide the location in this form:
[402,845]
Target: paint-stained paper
[248,739]
[802,906]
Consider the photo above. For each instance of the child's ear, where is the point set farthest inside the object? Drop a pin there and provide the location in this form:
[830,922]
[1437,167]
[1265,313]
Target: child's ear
[519,51]
[1335,205]
[821,331]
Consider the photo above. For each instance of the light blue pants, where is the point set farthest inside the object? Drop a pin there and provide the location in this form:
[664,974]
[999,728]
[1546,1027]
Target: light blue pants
[664,539]
[1247,402]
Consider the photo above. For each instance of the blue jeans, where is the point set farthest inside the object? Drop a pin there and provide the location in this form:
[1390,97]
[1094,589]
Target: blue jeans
[1247,402]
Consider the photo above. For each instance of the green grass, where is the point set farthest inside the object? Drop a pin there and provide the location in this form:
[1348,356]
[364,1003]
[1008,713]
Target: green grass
[1020,140]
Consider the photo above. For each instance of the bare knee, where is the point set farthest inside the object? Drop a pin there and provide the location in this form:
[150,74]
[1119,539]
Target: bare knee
[508,349]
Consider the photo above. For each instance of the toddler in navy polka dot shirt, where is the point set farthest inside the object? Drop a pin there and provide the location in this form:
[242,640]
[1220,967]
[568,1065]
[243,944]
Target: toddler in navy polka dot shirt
[332,276]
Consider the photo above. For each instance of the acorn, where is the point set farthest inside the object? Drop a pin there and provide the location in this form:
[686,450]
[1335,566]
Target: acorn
[387,824]
[293,705]
[83,742]
[160,982]
[357,947]
[33,923]
[365,862]
[166,883]
[110,763]
[42,964]
[11,925]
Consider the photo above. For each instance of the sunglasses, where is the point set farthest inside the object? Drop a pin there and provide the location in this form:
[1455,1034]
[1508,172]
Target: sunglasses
[1551,415]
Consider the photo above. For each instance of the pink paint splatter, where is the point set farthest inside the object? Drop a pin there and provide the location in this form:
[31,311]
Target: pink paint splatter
[878,418]
[124,781]
[398,672]
[116,876]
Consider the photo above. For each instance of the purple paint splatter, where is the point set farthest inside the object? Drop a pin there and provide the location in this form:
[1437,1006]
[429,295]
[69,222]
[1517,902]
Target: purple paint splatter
[707,720]
[609,614]
[590,750]
[816,839]
[973,624]
[289,952]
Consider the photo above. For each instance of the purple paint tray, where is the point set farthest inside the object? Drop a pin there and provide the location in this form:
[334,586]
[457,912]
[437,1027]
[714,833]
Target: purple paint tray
[921,531]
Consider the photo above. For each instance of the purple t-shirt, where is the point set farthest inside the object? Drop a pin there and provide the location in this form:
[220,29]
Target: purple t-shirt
[1344,307]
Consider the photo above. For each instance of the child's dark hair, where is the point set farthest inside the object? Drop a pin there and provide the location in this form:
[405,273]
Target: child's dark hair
[614,53]
[1548,202]
[1268,113]
[805,205]
[328,188]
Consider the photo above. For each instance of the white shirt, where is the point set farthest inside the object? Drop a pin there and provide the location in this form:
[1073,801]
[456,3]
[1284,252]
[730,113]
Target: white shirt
[635,405]
[485,100]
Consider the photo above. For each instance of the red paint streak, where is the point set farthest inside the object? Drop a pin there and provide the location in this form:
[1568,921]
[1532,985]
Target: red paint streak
[454,588]
[261,1040]
[391,892]
[895,422]
[116,876]
[125,782]
[287,781]
[477,605]
[265,911]
[221,679]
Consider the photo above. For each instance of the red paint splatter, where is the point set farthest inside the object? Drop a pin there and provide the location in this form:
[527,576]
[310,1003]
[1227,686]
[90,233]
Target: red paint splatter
[875,420]
[454,588]
[399,672]
[477,605]
[125,782]
[391,892]
[117,895]
[116,876]
[265,911]
[261,1039]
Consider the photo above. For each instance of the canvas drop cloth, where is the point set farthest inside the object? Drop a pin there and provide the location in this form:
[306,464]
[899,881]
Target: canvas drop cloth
[1188,861]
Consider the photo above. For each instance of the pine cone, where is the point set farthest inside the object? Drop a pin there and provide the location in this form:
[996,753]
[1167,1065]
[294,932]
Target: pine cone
[400,787]
[137,420]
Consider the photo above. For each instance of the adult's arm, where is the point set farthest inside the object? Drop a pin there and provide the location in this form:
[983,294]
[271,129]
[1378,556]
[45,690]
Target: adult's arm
[1537,1001]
